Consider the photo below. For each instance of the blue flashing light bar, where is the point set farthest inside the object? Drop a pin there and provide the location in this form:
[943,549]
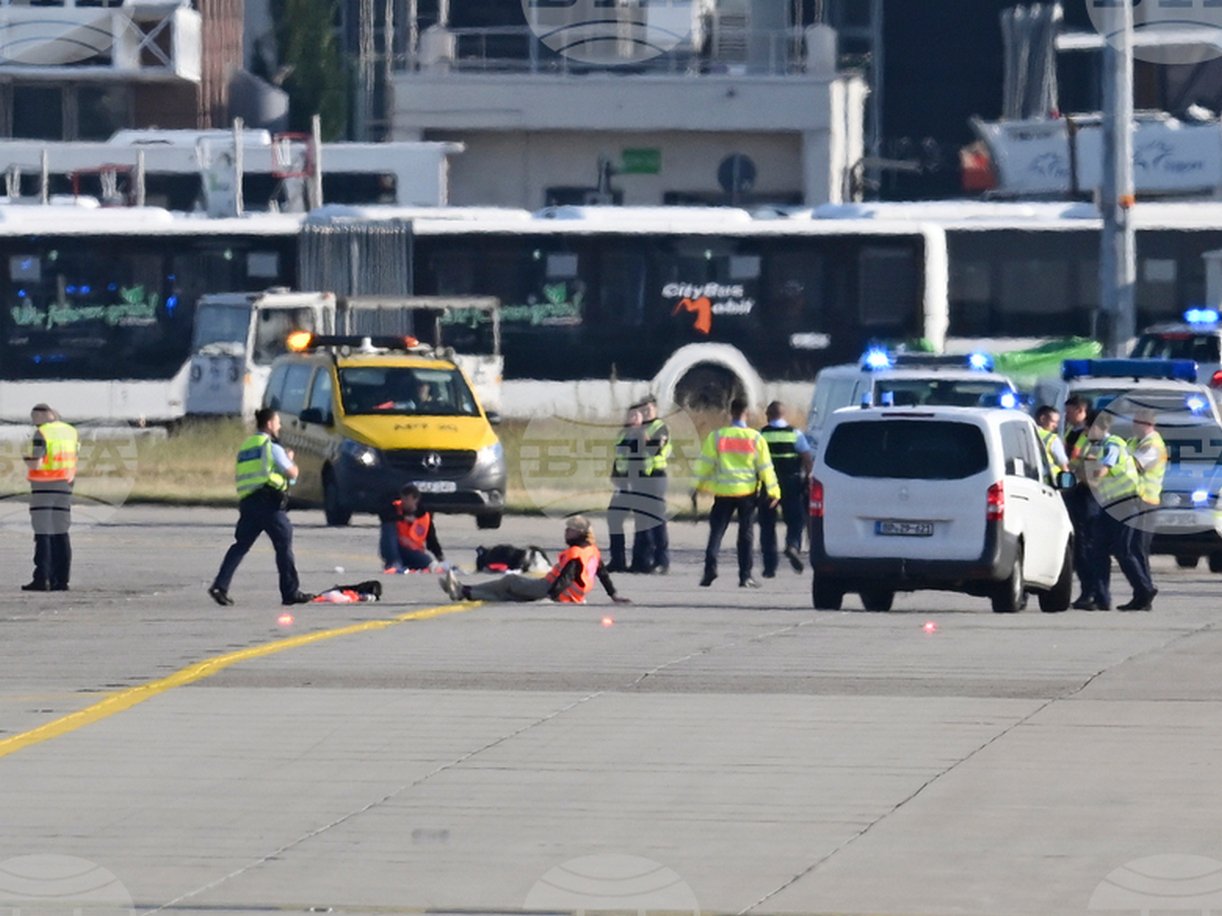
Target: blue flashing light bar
[1202,316]
[877,358]
[1195,403]
[1184,370]
[981,361]
[1008,400]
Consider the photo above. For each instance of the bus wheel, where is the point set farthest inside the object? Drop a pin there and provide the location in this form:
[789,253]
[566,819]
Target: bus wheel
[488,521]
[709,388]
[336,513]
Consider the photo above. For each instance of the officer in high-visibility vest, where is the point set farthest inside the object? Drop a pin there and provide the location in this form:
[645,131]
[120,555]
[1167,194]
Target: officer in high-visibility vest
[408,537]
[1112,476]
[791,459]
[263,473]
[1047,419]
[1150,455]
[1078,499]
[651,541]
[625,475]
[734,465]
[50,460]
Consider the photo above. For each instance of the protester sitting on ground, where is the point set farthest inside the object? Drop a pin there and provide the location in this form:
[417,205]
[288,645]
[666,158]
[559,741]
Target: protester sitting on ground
[408,536]
[569,581]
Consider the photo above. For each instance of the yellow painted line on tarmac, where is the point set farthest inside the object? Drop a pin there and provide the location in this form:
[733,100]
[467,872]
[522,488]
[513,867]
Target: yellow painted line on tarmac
[123,700]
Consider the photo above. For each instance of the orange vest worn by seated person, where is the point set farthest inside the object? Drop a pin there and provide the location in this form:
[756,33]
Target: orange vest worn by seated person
[412,534]
[590,559]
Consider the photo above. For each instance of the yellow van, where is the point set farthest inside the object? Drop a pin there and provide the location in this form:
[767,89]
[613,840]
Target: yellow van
[367,415]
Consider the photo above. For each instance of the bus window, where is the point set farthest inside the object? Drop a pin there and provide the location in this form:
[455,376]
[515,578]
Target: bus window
[886,287]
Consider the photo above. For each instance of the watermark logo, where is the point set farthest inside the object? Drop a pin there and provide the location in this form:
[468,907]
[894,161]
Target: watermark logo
[620,883]
[42,40]
[590,467]
[54,885]
[107,460]
[610,32]
[1164,31]
[1162,884]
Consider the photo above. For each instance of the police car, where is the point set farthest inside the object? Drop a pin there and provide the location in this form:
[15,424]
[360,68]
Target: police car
[1198,337]
[887,379]
[1185,524]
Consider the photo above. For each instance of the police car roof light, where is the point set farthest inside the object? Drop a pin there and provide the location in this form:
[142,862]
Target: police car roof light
[981,361]
[1008,400]
[1184,370]
[1201,316]
[877,358]
[1195,403]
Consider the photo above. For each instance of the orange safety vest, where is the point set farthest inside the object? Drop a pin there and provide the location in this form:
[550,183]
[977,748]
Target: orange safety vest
[413,534]
[59,460]
[584,583]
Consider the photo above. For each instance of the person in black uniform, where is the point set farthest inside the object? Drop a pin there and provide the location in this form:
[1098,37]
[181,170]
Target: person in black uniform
[625,473]
[651,540]
[791,457]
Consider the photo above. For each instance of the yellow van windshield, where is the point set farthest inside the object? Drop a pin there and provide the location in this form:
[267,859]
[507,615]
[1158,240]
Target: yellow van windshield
[400,390]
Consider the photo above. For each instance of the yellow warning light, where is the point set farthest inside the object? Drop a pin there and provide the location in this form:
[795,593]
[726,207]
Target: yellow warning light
[299,340]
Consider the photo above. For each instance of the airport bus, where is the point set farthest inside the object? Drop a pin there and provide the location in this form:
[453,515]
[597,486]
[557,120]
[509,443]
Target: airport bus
[99,303]
[697,303]
[1022,273]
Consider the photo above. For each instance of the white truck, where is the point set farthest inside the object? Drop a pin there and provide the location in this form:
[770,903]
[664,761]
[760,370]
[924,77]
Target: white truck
[238,335]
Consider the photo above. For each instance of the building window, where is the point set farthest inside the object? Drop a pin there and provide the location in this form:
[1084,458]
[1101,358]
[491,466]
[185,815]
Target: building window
[102,110]
[38,112]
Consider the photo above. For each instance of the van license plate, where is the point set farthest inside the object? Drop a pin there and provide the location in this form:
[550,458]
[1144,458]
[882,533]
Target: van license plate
[905,529]
[437,486]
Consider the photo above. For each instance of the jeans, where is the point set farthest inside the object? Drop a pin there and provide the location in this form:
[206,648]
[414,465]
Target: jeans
[396,555]
[262,513]
[511,587]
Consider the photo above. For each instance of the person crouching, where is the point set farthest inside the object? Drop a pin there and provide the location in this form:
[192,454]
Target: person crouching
[408,536]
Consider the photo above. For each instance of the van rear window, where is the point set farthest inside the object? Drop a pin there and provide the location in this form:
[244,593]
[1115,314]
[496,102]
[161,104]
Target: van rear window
[907,449]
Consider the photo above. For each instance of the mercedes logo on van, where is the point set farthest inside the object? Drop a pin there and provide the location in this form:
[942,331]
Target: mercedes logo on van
[432,462]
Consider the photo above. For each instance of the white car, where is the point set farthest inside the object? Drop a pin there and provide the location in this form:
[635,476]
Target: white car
[908,380]
[949,498]
[1198,338]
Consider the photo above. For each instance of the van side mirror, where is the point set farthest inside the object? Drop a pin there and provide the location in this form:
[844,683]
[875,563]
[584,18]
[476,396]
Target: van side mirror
[1066,480]
[494,417]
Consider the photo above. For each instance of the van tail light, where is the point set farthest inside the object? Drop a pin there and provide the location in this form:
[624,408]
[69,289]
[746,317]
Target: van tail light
[1215,380]
[816,498]
[995,503]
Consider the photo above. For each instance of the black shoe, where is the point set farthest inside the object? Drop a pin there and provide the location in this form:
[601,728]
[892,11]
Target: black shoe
[769,573]
[708,578]
[220,596]
[640,570]
[617,568]
[59,587]
[299,598]
[1139,603]
[795,560]
[748,583]
[1085,603]
[661,570]
[36,586]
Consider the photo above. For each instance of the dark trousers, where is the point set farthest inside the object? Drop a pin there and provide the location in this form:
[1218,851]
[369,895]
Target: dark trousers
[724,508]
[651,539]
[51,518]
[395,554]
[791,511]
[617,514]
[1077,503]
[1111,537]
[262,512]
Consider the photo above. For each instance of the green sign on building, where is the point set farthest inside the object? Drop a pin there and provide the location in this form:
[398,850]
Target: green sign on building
[645,161]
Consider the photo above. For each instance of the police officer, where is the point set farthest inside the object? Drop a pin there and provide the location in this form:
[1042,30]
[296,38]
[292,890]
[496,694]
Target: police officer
[50,461]
[651,540]
[625,473]
[1078,499]
[1047,419]
[1150,455]
[263,473]
[791,459]
[734,465]
[1112,476]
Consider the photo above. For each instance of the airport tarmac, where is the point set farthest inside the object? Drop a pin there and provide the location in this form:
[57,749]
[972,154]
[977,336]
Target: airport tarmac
[719,749]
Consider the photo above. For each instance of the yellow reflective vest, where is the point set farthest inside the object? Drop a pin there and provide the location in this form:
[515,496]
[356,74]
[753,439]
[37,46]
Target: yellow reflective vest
[1150,479]
[735,461]
[1046,437]
[59,459]
[256,468]
[1120,481]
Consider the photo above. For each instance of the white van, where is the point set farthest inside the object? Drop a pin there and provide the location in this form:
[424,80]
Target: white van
[908,380]
[947,498]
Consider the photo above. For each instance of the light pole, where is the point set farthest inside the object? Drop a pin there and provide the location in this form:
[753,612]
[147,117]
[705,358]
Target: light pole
[1118,249]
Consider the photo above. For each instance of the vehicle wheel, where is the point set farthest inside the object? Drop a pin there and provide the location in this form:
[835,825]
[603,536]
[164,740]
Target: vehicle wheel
[826,595]
[1189,563]
[336,513]
[1215,562]
[1058,597]
[1011,595]
[877,599]
[708,388]
[488,521]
